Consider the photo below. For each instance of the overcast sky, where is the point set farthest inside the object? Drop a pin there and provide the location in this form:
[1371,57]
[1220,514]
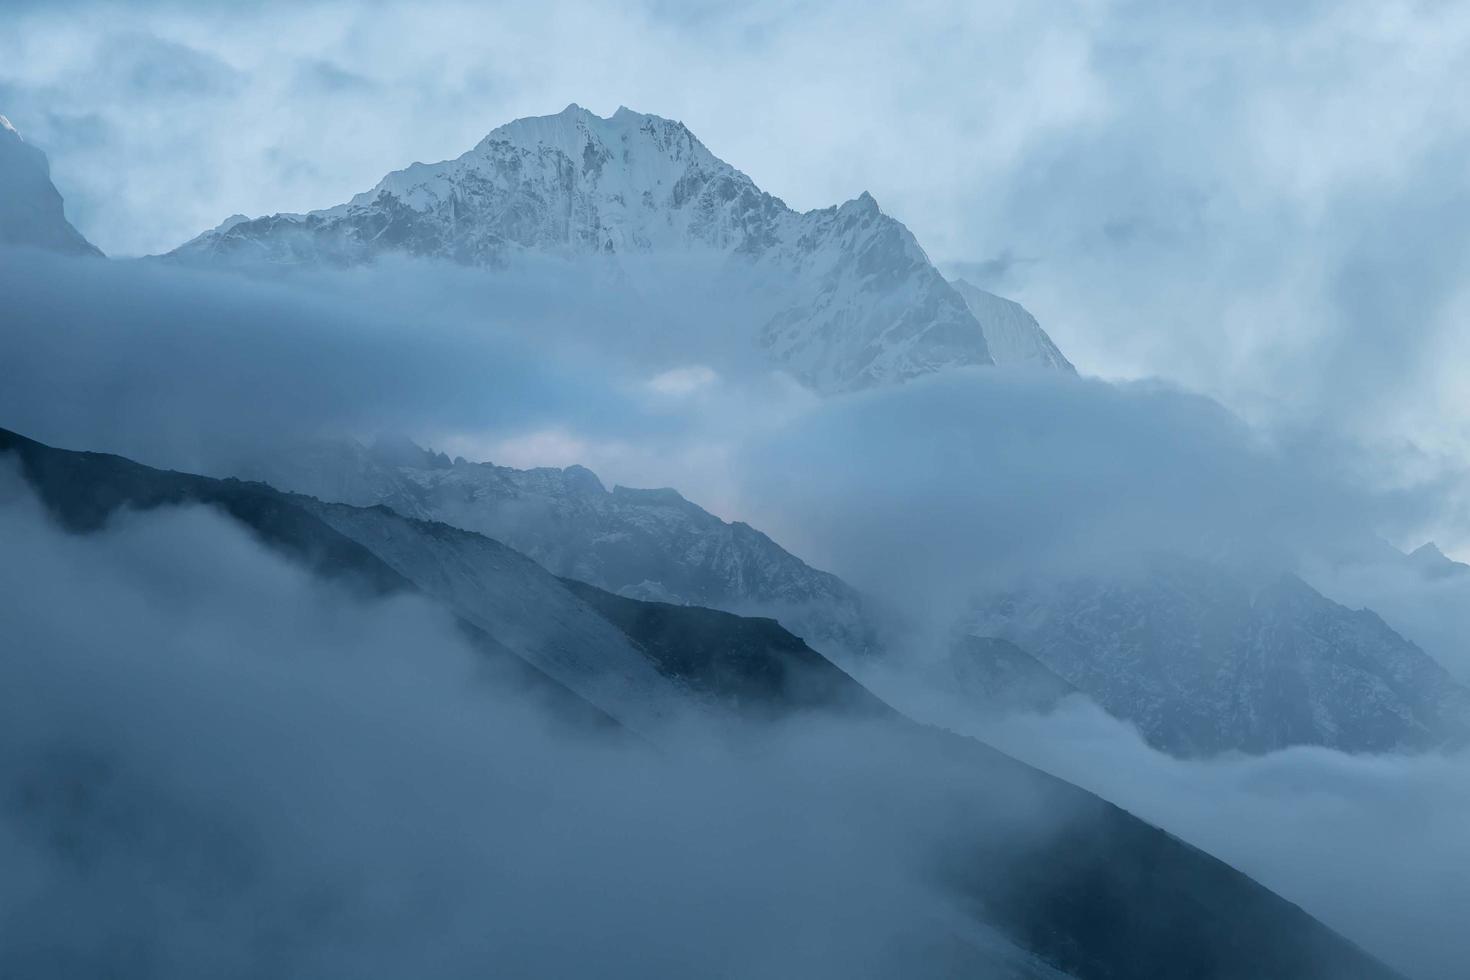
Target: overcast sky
[1264,202]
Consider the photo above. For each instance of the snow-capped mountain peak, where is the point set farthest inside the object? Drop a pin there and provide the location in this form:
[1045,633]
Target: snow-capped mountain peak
[569,183]
[846,298]
[574,129]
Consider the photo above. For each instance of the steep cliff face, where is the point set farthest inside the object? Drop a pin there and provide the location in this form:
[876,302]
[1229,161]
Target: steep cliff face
[31,210]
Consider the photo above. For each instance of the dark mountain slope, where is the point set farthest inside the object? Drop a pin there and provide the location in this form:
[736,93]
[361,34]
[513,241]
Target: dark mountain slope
[83,490]
[753,664]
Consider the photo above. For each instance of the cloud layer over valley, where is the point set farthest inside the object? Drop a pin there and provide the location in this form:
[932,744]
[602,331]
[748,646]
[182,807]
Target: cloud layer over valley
[265,773]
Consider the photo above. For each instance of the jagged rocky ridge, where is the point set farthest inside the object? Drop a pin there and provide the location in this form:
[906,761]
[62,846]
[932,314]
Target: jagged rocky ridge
[1063,875]
[1204,660]
[645,544]
[846,298]
[31,209]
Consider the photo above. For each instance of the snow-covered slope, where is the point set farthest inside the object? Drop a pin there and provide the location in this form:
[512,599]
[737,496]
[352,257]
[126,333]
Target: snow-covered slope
[842,297]
[31,212]
[646,544]
[1203,662]
[1014,337]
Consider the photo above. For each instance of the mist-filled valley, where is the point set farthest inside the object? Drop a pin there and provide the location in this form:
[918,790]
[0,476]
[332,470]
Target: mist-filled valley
[573,558]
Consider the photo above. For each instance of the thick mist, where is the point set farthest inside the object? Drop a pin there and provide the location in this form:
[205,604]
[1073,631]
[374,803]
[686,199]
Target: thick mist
[211,763]
[647,373]
[921,494]
[1374,846]
[196,369]
[1000,474]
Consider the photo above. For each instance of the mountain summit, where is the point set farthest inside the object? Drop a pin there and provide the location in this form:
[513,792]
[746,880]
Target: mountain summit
[847,298]
[31,212]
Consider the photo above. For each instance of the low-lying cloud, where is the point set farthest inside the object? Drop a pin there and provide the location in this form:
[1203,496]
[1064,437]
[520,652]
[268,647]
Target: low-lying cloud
[210,758]
[211,763]
[187,367]
[1374,846]
[958,482]
[921,493]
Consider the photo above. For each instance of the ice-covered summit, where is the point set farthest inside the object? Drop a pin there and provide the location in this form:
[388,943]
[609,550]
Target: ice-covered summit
[847,299]
[573,183]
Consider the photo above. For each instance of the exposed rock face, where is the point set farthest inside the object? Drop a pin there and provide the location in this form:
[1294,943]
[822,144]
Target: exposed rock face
[31,211]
